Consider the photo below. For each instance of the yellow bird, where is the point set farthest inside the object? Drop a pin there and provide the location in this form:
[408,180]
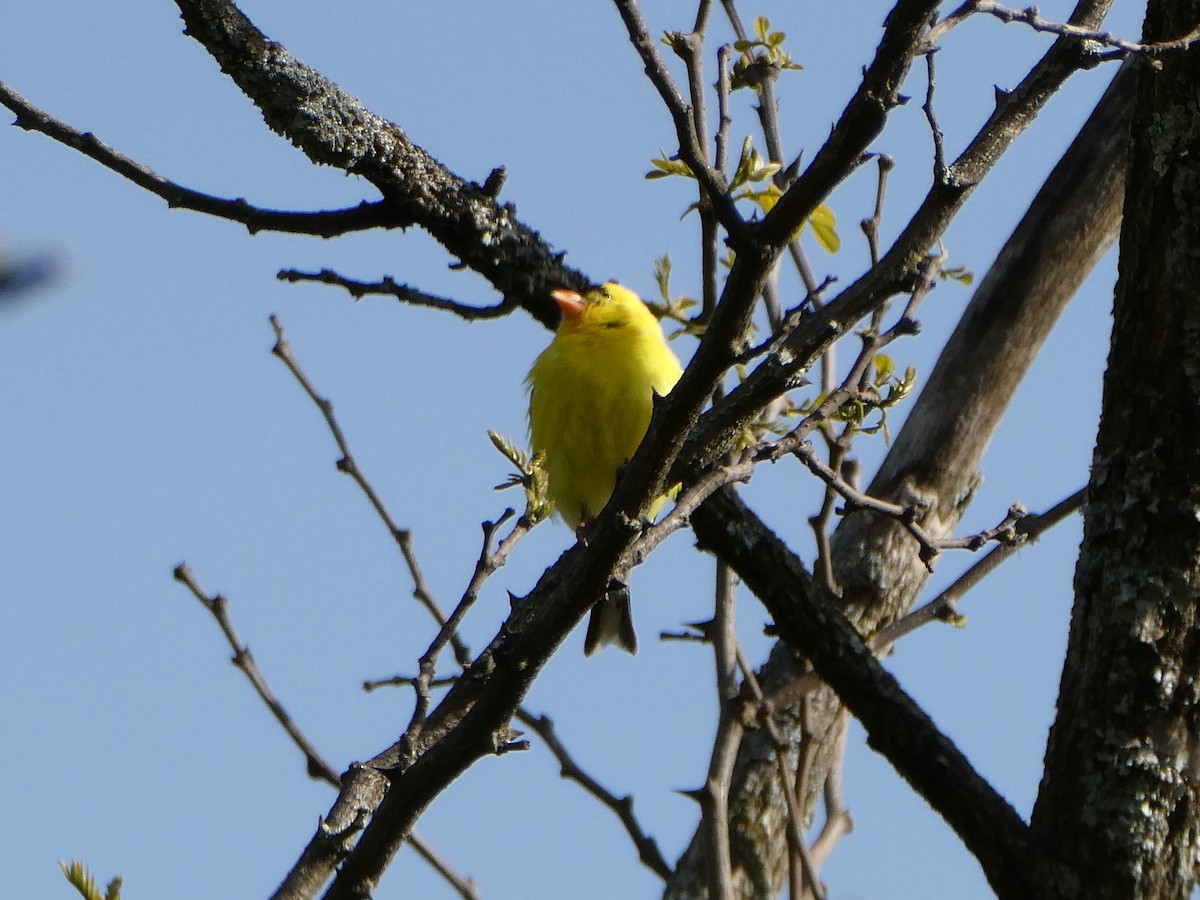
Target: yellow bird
[591,393]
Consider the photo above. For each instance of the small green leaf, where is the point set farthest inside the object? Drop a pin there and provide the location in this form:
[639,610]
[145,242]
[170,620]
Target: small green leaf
[84,882]
[961,274]
[764,199]
[823,223]
[662,276]
[673,39]
[665,166]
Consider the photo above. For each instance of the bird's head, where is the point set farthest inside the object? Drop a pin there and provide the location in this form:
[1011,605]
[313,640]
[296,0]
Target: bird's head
[608,306]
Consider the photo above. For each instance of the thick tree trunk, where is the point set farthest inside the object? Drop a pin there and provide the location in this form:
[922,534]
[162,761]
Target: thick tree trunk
[1118,802]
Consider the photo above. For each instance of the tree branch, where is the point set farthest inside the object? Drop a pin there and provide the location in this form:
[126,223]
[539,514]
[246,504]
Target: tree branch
[333,128]
[778,373]
[317,767]
[323,223]
[402,292]
[896,726]
[647,847]
[937,452]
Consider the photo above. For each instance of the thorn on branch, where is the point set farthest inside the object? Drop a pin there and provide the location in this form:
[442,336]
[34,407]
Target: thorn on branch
[493,184]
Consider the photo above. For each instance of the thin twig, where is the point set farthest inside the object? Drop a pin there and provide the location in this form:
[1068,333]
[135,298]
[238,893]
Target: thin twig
[688,500]
[768,116]
[804,877]
[714,804]
[487,563]
[465,886]
[691,146]
[906,515]
[321,223]
[723,90]
[402,536]
[838,822]
[1026,530]
[218,606]
[939,145]
[373,684]
[1030,17]
[884,165]
[316,764]
[823,569]
[647,847]
[402,292]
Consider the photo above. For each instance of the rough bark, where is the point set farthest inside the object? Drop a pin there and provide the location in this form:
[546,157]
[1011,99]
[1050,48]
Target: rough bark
[1071,222]
[1118,800]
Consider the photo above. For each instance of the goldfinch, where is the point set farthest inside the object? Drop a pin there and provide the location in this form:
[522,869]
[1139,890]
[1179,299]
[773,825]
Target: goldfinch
[591,393]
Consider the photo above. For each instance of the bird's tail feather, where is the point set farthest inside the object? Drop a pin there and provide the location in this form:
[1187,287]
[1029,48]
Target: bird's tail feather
[611,622]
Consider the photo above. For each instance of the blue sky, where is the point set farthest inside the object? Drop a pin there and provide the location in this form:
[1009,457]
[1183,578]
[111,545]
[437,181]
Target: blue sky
[144,422]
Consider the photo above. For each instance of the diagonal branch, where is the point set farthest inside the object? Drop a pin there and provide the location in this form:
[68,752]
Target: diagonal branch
[896,726]
[333,128]
[647,847]
[777,374]
[861,121]
[402,292]
[318,768]
[422,593]
[218,606]
[324,223]
[937,452]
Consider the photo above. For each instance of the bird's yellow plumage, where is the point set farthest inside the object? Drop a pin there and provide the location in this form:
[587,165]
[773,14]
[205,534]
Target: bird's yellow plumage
[591,393]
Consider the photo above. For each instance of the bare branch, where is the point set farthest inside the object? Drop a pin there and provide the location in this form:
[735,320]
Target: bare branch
[896,726]
[939,149]
[1029,16]
[402,536]
[317,767]
[334,128]
[485,566]
[714,804]
[647,847]
[691,144]
[218,606]
[943,607]
[324,223]
[1026,529]
[870,227]
[403,292]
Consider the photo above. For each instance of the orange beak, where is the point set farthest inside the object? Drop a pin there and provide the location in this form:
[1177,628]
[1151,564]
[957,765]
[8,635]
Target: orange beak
[570,302]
